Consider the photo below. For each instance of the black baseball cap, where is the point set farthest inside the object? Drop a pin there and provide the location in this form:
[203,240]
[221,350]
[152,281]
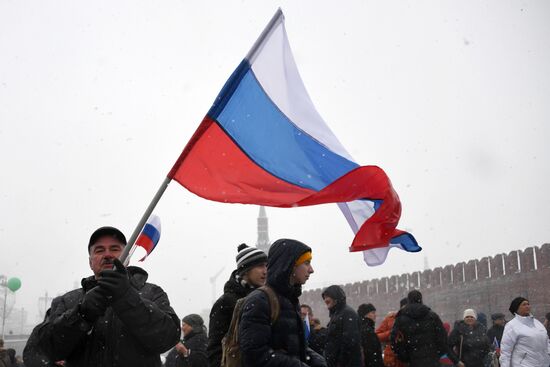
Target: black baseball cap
[106,231]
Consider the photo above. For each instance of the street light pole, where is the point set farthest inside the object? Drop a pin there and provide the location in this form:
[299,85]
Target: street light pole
[4,309]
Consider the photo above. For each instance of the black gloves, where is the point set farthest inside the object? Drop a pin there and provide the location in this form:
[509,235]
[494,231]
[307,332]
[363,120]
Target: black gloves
[111,285]
[114,283]
[93,304]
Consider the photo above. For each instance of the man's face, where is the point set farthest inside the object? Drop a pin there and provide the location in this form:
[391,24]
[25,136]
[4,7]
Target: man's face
[103,252]
[257,275]
[185,328]
[499,322]
[329,301]
[304,311]
[301,273]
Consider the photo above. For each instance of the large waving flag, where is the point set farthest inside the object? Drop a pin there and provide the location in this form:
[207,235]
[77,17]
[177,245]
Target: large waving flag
[264,143]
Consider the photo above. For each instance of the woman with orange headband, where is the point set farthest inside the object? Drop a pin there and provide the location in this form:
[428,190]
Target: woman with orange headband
[279,342]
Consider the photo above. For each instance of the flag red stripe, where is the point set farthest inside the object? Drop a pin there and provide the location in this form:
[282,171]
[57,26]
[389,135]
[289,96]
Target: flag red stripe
[146,243]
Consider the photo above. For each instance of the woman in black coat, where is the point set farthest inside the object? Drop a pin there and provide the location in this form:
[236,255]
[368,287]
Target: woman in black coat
[280,343]
[370,344]
[469,341]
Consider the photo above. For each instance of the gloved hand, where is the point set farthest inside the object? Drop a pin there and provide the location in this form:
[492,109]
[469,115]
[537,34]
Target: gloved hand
[93,304]
[114,282]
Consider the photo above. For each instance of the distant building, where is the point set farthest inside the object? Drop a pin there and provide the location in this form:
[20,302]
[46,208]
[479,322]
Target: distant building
[263,242]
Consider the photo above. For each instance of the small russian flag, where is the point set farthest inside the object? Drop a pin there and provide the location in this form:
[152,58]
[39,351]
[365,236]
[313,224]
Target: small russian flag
[307,327]
[495,344]
[150,235]
[445,360]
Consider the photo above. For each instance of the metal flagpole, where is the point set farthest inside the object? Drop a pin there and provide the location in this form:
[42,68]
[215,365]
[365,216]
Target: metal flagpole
[130,246]
[275,20]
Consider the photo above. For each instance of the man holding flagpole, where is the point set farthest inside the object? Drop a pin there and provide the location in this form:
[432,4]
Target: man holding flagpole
[115,319]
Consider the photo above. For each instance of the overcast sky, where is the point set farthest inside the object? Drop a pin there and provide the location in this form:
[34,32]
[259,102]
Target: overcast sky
[98,98]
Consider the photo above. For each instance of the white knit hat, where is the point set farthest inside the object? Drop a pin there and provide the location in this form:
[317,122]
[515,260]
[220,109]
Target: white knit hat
[470,312]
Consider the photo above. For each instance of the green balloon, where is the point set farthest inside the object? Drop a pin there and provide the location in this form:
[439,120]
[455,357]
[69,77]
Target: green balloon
[14,284]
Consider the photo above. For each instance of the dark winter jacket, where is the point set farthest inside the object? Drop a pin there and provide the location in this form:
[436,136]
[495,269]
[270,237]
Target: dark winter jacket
[220,317]
[134,331]
[195,342]
[11,356]
[419,332]
[343,347]
[495,331]
[318,339]
[283,343]
[370,345]
[4,358]
[475,344]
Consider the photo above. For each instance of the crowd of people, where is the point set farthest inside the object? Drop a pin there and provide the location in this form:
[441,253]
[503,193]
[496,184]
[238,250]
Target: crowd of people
[117,318]
[8,357]
[415,336]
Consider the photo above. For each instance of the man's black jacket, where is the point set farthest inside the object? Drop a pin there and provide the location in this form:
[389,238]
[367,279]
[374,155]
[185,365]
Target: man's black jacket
[343,347]
[134,331]
[423,336]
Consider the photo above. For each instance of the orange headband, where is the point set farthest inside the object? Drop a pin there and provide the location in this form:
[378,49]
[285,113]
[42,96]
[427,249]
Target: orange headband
[306,256]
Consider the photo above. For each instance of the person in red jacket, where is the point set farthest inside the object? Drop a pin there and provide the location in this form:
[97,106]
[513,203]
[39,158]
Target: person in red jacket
[383,332]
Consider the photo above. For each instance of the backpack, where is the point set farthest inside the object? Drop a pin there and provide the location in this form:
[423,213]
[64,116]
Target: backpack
[399,347]
[231,351]
[399,342]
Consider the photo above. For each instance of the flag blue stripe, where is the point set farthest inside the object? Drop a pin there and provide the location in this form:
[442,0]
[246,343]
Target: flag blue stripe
[151,232]
[407,242]
[273,141]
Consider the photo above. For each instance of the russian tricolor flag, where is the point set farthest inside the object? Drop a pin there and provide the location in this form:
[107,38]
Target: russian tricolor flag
[150,235]
[445,360]
[264,143]
[307,327]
